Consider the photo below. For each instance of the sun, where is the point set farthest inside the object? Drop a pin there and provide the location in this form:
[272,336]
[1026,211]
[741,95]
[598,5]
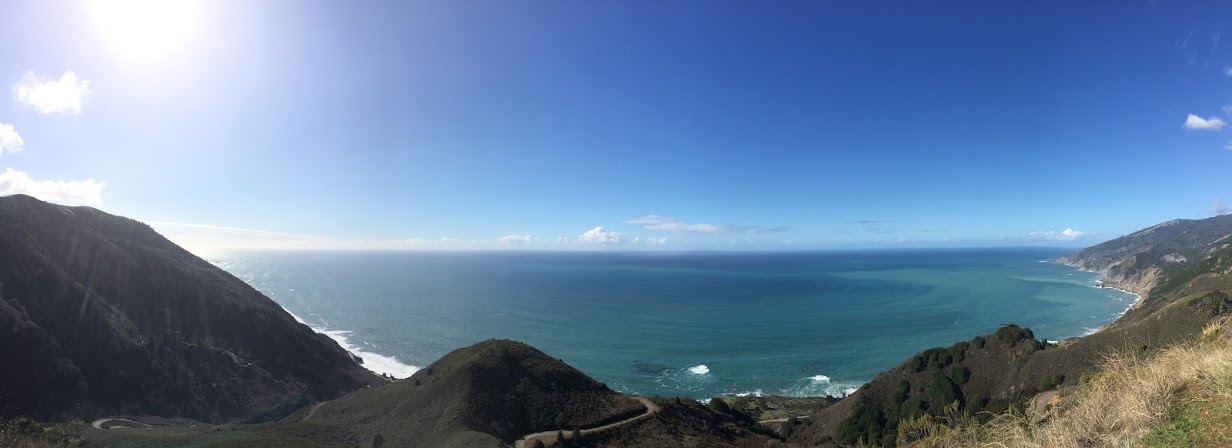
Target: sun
[145,29]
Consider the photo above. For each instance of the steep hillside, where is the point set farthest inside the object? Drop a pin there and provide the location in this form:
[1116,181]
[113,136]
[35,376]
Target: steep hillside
[1144,259]
[1183,269]
[1177,397]
[104,315]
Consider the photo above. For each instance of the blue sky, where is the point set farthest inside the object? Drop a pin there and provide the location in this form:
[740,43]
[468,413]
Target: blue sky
[680,125]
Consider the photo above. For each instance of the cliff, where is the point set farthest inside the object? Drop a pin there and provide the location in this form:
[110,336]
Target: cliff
[1140,261]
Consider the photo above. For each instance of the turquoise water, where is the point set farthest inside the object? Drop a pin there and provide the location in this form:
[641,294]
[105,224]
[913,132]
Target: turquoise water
[687,324]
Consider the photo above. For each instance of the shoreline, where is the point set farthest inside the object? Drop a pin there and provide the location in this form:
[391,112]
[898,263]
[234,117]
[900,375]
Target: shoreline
[375,362]
[1099,283]
[384,365]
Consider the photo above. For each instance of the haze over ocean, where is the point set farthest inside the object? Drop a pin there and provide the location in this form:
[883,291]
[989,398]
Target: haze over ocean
[689,324]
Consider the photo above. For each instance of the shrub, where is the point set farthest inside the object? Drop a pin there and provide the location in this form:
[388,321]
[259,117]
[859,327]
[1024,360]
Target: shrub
[942,391]
[959,374]
[1012,334]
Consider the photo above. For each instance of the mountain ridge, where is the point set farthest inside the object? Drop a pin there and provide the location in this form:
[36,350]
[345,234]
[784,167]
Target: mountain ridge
[70,273]
[134,323]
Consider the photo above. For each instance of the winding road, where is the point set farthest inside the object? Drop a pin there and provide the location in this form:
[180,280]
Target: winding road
[1041,404]
[548,437]
[98,424]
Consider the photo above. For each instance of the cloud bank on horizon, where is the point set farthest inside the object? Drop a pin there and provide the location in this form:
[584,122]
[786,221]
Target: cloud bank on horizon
[664,224]
[1065,235]
[209,239]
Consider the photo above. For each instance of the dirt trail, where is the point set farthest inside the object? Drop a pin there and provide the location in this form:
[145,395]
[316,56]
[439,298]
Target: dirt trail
[313,410]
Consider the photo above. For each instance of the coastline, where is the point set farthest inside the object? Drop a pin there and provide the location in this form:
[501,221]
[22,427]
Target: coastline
[354,337]
[374,362]
[1101,284]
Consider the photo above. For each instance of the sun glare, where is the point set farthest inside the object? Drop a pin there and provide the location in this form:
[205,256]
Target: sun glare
[145,29]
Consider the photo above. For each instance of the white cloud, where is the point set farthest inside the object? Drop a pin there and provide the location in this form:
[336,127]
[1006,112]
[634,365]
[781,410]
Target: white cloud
[1196,123]
[51,96]
[600,236]
[1065,235]
[655,240]
[1228,71]
[1219,207]
[10,140]
[87,191]
[516,239]
[664,224]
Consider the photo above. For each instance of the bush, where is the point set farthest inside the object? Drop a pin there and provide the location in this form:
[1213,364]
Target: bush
[959,374]
[942,391]
[1012,334]
[911,408]
[917,363]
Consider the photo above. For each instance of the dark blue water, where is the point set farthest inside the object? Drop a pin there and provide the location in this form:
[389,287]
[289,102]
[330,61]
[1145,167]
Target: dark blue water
[690,324]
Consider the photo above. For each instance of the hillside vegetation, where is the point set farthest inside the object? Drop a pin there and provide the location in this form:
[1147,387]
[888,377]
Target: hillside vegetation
[1183,267]
[1179,397]
[103,315]
[485,395]
[106,317]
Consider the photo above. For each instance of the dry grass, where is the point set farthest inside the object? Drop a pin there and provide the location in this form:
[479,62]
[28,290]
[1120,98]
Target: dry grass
[1132,396]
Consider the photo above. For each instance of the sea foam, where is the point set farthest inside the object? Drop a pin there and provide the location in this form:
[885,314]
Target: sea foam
[699,369]
[380,364]
[820,385]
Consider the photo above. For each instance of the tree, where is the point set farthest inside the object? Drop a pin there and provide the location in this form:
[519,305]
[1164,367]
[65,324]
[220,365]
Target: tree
[942,391]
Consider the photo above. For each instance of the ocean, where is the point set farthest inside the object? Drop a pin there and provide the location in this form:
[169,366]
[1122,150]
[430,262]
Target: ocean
[683,324]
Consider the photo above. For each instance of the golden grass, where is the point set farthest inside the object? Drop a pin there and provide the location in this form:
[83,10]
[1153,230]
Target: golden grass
[1132,396]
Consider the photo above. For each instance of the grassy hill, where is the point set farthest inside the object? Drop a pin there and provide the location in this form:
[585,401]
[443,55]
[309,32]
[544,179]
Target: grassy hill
[486,395]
